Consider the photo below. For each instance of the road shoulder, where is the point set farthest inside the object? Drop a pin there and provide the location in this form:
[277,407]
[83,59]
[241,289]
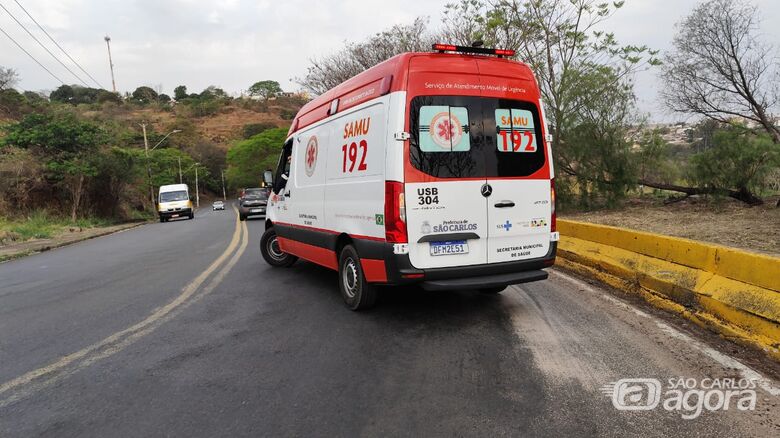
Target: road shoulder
[29,247]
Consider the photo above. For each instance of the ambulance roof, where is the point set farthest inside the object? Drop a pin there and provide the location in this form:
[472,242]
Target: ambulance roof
[424,73]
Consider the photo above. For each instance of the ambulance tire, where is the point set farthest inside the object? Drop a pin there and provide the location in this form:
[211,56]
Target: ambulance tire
[358,294]
[492,290]
[274,256]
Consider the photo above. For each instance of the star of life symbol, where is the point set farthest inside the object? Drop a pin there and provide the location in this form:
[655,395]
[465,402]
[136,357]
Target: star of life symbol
[311,156]
[447,130]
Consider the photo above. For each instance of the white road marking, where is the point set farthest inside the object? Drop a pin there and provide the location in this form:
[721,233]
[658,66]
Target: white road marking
[36,380]
[722,359]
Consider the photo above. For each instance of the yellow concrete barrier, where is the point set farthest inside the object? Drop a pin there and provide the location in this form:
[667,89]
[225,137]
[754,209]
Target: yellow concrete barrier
[733,292]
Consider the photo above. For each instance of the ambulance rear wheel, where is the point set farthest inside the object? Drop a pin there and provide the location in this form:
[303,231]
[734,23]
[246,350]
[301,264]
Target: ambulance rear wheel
[272,253]
[358,294]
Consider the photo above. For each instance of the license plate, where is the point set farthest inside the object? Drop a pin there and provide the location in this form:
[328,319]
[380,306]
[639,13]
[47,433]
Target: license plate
[174,215]
[449,248]
[257,210]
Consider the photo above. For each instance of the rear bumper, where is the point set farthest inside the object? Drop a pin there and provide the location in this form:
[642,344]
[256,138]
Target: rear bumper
[247,211]
[400,270]
[486,281]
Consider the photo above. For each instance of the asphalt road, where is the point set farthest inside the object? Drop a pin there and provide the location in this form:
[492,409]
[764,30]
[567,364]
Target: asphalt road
[180,329]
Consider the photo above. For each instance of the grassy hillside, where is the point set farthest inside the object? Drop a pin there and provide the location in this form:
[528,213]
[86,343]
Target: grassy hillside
[84,156]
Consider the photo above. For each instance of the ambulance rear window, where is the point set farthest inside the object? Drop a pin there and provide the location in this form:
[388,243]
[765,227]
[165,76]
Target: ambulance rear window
[444,129]
[516,132]
[481,137]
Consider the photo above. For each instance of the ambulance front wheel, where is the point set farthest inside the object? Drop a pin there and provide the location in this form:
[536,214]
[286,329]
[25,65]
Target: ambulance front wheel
[358,294]
[272,253]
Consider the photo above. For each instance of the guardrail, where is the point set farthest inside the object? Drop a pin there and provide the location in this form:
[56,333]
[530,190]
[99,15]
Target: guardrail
[735,293]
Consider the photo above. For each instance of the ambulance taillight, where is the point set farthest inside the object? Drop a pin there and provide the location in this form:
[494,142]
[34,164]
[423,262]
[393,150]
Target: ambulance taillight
[553,224]
[441,48]
[395,213]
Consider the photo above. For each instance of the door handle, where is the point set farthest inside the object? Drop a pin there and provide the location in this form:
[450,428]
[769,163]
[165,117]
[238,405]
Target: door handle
[505,204]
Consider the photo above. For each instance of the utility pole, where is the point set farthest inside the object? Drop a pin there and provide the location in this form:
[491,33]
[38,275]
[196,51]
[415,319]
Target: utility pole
[110,62]
[180,178]
[148,168]
[197,192]
[224,198]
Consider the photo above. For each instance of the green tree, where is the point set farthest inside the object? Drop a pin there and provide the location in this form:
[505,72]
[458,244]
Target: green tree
[34,97]
[12,102]
[248,159]
[737,165]
[117,170]
[67,145]
[265,89]
[63,93]
[600,163]
[213,92]
[164,164]
[180,92]
[145,95]
[721,69]
[107,96]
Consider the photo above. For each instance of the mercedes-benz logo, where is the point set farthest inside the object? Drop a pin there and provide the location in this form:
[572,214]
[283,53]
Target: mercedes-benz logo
[486,190]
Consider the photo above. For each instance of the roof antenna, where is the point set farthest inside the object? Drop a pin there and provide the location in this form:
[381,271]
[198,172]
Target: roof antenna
[477,43]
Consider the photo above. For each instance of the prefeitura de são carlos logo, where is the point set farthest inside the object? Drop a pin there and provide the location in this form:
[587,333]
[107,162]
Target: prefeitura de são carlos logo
[687,396]
[446,130]
[311,156]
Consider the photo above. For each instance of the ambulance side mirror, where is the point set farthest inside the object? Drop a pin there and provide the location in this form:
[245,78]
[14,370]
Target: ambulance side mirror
[268,178]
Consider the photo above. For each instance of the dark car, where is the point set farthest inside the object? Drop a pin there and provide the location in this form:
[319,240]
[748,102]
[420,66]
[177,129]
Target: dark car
[252,202]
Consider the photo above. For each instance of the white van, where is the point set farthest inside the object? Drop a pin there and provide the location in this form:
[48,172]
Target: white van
[431,168]
[173,201]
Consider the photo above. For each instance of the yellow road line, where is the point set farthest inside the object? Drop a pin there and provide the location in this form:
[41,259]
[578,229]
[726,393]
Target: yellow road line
[119,340]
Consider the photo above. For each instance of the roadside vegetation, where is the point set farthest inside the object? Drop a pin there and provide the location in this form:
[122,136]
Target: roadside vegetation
[76,157]
[78,152]
[40,224]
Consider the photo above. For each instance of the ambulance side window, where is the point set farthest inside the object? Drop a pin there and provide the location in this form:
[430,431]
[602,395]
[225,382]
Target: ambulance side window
[283,168]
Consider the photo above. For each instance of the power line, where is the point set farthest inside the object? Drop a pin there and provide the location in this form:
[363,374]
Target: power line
[32,57]
[58,46]
[44,47]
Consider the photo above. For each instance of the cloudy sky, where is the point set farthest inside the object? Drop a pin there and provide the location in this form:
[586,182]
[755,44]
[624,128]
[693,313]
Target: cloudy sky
[233,43]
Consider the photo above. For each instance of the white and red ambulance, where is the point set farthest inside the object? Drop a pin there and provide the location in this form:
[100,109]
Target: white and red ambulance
[431,168]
